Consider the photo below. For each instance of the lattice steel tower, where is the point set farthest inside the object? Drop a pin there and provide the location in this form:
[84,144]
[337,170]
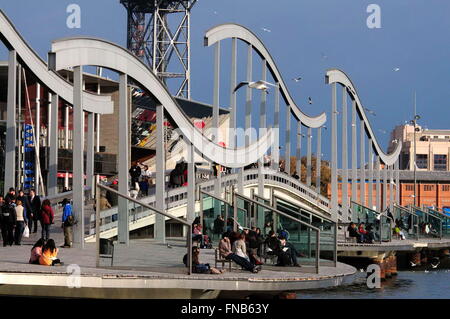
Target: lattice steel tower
[159,33]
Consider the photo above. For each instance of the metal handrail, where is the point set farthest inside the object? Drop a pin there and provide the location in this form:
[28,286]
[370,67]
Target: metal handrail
[416,226]
[412,207]
[157,211]
[378,214]
[245,198]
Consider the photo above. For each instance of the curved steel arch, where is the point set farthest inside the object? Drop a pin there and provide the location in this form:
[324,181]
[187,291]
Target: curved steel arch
[338,76]
[232,30]
[9,35]
[79,51]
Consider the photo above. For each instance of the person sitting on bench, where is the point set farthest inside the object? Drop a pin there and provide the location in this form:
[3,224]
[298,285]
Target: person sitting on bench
[225,251]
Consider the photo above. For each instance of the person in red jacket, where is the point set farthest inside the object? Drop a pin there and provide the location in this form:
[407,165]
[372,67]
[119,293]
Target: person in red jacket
[47,217]
[363,232]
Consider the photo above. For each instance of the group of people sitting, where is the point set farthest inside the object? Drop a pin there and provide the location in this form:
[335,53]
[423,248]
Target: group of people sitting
[362,233]
[45,253]
[246,248]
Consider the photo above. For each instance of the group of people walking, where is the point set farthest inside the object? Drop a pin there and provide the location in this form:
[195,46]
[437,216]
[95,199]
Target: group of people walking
[20,213]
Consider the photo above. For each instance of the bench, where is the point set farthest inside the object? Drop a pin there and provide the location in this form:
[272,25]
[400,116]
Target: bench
[218,258]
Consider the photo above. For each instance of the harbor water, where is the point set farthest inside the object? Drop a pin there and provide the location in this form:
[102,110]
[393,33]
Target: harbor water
[423,284]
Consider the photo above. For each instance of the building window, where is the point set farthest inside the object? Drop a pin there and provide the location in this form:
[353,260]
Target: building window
[422,161]
[410,188]
[428,188]
[440,162]
[445,188]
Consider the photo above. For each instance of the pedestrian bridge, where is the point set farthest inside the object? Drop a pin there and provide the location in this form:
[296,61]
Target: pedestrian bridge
[251,197]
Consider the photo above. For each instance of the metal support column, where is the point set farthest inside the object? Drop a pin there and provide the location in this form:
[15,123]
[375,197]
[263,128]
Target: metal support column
[299,149]
[124,164]
[215,117]
[37,146]
[66,141]
[362,164]
[354,154]
[309,157]
[287,146]
[191,185]
[391,188]
[397,183]
[276,126]
[90,181]
[160,224]
[378,185]
[10,149]
[318,158]
[344,200]
[52,183]
[334,186]
[78,147]
[248,100]
[262,124]
[370,177]
[385,187]
[233,123]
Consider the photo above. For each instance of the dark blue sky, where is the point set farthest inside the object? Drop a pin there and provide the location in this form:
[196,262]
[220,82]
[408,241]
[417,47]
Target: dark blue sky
[413,37]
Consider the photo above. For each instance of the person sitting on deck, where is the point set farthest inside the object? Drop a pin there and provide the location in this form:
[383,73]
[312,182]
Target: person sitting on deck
[353,232]
[239,247]
[371,235]
[36,251]
[225,251]
[289,249]
[362,232]
[199,268]
[253,246]
[49,254]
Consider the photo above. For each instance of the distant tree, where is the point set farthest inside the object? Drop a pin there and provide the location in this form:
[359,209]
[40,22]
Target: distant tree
[325,172]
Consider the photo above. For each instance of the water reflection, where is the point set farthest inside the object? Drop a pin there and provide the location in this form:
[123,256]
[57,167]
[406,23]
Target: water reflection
[407,284]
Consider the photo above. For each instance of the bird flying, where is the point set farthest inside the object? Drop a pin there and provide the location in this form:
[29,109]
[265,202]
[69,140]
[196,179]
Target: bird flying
[396,69]
[297,79]
[259,85]
[266,30]
[310,101]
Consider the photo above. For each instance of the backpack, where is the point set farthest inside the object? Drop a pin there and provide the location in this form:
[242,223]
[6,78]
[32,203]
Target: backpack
[70,221]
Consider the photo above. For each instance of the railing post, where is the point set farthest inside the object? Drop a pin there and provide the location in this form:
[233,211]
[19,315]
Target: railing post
[97,225]
[335,243]
[189,249]
[235,209]
[318,252]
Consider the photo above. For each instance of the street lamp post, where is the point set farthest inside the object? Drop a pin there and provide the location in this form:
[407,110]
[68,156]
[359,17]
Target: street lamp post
[414,122]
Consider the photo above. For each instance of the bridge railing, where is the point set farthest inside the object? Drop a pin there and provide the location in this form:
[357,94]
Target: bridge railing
[178,196]
[407,221]
[144,253]
[380,222]
[430,225]
[297,229]
[328,228]
[445,221]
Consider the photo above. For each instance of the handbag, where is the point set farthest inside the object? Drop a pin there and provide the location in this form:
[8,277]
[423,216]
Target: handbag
[26,232]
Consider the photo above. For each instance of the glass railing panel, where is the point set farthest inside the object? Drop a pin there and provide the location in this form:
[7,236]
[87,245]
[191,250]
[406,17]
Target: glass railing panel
[429,225]
[445,221]
[406,221]
[215,215]
[304,238]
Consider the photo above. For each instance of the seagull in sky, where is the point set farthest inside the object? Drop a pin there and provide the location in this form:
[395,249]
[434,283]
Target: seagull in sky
[396,69]
[382,131]
[259,85]
[310,101]
[266,30]
[413,264]
[370,111]
[298,79]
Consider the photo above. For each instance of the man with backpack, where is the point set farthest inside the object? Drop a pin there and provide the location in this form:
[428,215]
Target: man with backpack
[68,220]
